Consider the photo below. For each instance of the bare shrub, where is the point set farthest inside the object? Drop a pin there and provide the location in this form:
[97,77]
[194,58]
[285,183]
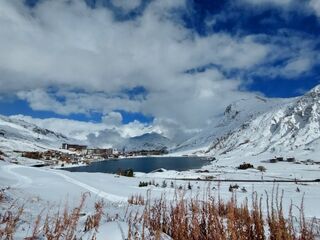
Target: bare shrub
[66,224]
[136,200]
[2,197]
[63,225]
[211,218]
[9,221]
[93,222]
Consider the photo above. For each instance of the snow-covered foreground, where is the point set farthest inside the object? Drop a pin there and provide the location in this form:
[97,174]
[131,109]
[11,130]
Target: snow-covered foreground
[42,189]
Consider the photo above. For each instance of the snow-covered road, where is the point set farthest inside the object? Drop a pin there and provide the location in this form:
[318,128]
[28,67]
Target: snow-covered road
[98,192]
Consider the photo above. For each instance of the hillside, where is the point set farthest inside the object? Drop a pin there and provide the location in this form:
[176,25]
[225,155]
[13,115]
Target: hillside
[22,136]
[271,127]
[19,135]
[148,141]
[236,115]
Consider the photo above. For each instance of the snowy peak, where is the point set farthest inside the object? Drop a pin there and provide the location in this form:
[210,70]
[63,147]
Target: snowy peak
[292,126]
[300,120]
[148,141]
[245,106]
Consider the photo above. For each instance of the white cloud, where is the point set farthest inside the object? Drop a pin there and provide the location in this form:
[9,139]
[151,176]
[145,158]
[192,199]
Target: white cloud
[306,7]
[81,130]
[315,5]
[75,102]
[274,2]
[70,128]
[112,119]
[90,59]
[126,5]
[297,66]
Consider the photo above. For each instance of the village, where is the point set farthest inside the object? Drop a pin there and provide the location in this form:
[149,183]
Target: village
[76,154]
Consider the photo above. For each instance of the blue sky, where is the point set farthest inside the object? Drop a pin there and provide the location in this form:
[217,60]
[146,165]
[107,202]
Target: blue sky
[153,60]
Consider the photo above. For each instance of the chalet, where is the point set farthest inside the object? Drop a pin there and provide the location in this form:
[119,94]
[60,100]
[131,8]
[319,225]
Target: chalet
[74,147]
[32,155]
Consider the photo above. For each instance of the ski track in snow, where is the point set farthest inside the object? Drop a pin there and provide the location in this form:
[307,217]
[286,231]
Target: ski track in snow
[24,181]
[98,192]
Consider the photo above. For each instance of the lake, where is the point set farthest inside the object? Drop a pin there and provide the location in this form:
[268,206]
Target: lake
[143,164]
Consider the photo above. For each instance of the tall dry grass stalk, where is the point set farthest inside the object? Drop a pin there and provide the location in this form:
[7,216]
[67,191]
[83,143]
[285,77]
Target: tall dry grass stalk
[212,218]
[2,197]
[66,225]
[199,218]
[9,221]
[136,200]
[93,221]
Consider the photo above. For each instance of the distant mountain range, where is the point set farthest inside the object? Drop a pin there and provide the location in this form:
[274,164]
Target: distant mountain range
[17,134]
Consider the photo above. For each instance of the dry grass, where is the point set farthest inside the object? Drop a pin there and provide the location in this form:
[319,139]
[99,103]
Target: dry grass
[93,222]
[211,218]
[59,226]
[9,221]
[282,227]
[205,218]
[64,225]
[2,197]
[136,200]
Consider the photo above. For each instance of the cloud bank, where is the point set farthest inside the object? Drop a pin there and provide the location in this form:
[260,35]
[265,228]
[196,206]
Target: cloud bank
[66,57]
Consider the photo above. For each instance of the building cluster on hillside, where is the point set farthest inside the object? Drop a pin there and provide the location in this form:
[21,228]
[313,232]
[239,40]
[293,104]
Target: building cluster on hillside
[76,154]
[110,152]
[90,152]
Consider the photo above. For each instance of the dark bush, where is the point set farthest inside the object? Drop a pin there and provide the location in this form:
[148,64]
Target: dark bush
[291,159]
[164,184]
[126,173]
[261,168]
[143,184]
[280,159]
[233,187]
[245,166]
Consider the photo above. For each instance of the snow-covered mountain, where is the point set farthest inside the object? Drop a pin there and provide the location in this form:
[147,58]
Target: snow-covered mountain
[148,141]
[112,138]
[274,126]
[249,126]
[17,134]
[236,115]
